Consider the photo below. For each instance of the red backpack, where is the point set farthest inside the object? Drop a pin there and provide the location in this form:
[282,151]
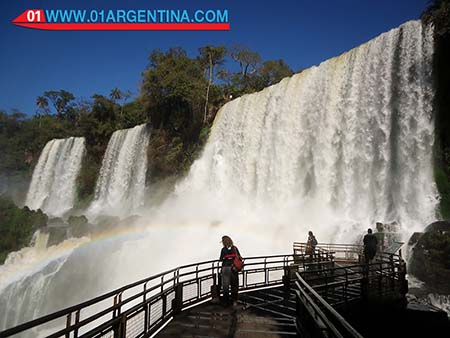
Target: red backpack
[238,262]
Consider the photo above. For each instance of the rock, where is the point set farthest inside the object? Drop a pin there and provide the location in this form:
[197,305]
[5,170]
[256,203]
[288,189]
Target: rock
[79,226]
[56,235]
[415,238]
[56,222]
[105,223]
[430,260]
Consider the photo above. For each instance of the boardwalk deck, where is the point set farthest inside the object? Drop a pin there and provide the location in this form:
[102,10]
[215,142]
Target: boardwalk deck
[266,313]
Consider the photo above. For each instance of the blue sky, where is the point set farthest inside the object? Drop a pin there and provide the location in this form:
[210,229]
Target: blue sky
[303,33]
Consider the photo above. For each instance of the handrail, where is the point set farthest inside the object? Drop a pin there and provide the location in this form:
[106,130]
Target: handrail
[308,292]
[165,283]
[155,300]
[314,285]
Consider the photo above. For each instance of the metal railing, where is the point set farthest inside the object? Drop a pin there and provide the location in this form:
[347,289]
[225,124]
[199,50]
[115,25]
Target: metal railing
[320,290]
[141,308]
[384,277]
[340,252]
[317,318]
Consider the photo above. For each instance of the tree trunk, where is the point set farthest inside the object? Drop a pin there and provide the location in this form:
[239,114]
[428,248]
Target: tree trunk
[205,116]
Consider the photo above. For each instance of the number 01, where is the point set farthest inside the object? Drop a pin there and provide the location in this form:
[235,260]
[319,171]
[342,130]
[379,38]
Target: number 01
[33,16]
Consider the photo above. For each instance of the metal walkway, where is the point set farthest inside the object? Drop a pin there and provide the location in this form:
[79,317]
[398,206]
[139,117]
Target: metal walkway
[264,313]
[280,296]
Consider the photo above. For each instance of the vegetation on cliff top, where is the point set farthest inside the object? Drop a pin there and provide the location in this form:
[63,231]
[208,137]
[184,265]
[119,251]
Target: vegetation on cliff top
[17,226]
[179,96]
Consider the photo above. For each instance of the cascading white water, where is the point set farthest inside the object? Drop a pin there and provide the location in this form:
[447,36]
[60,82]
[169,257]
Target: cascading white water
[26,277]
[348,140]
[52,187]
[120,188]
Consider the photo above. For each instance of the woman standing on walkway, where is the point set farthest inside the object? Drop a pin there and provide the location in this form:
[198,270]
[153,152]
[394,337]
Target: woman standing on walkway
[229,273]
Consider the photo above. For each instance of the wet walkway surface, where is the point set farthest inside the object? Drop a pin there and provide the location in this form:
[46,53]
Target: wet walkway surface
[263,313]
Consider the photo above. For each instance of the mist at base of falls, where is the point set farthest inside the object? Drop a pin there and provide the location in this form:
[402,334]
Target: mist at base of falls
[332,149]
[77,270]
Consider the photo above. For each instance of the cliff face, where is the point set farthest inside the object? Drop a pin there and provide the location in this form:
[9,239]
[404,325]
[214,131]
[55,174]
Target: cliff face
[438,14]
[442,71]
[430,260]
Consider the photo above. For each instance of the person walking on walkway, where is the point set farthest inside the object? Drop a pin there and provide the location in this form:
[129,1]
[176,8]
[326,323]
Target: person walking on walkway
[311,244]
[370,246]
[229,273]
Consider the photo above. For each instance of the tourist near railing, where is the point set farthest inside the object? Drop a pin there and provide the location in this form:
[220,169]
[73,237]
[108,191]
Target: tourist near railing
[340,252]
[142,308]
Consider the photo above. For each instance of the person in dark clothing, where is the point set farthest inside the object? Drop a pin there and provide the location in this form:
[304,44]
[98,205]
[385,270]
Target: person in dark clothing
[229,273]
[311,243]
[370,246]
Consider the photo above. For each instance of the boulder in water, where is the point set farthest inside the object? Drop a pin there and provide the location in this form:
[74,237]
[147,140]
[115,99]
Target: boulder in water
[430,260]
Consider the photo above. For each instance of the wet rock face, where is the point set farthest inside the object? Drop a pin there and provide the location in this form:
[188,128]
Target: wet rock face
[430,260]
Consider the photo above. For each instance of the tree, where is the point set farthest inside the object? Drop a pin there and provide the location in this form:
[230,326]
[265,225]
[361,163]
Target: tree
[104,109]
[60,99]
[115,94]
[172,90]
[211,56]
[438,13]
[248,60]
[42,104]
[273,71]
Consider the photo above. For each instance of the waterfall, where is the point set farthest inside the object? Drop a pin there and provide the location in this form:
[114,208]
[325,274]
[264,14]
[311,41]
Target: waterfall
[28,278]
[331,149]
[120,188]
[40,240]
[52,187]
[347,142]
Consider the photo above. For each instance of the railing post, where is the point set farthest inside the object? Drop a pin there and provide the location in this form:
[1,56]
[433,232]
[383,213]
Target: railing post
[266,273]
[402,277]
[199,283]
[391,260]
[145,309]
[215,291]
[365,282]
[77,320]
[177,302]
[287,278]
[164,304]
[380,281]
[120,330]
[117,301]
[345,288]
[68,322]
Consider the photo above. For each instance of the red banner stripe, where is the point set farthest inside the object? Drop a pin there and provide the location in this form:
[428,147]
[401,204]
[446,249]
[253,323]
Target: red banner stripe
[127,26]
